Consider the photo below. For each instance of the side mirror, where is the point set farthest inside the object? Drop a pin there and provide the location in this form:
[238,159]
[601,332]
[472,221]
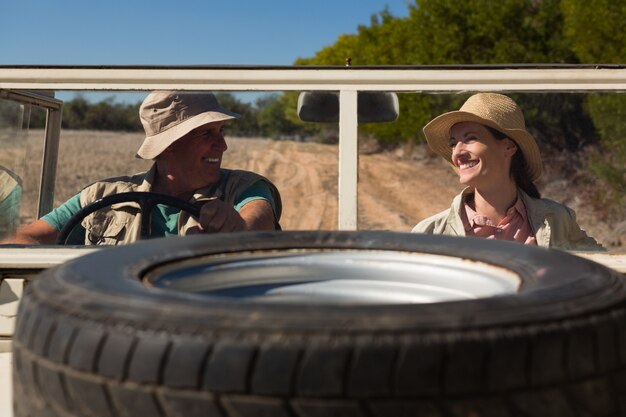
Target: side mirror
[372,107]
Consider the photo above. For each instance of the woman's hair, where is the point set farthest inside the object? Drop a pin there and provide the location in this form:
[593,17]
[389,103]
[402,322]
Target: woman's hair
[519,170]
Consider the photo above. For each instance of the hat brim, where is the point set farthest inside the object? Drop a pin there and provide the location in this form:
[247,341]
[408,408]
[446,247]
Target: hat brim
[437,133]
[152,146]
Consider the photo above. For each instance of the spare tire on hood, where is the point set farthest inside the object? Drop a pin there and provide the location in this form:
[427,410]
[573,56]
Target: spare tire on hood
[323,324]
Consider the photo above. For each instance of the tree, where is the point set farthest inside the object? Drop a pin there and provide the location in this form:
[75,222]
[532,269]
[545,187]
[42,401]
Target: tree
[75,113]
[10,115]
[246,124]
[595,30]
[474,32]
[488,32]
[597,36]
[272,118]
[387,41]
[504,32]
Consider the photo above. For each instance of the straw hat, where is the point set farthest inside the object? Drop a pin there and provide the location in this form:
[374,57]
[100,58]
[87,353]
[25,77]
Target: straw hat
[490,109]
[167,116]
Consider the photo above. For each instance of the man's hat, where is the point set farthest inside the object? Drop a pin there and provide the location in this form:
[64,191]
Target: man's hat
[167,116]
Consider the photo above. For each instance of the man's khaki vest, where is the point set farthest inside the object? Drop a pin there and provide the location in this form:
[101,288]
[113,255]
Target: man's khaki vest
[121,223]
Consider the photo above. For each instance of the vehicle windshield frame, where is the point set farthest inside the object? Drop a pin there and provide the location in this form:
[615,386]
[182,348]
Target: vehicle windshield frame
[347,81]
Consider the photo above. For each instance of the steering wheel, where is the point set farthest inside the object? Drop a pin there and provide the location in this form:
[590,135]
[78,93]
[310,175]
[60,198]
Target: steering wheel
[146,200]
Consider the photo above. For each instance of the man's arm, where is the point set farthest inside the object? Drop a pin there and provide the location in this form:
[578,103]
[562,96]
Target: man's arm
[38,232]
[217,216]
[258,215]
[46,230]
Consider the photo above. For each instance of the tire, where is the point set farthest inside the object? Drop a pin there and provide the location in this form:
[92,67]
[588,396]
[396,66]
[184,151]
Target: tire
[119,333]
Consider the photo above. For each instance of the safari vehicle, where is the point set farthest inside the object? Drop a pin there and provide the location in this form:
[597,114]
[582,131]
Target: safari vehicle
[304,323]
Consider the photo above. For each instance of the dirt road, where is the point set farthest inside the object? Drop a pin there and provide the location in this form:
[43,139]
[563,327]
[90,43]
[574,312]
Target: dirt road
[393,194]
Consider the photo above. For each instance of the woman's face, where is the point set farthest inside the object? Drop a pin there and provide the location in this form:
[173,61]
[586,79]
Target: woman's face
[482,160]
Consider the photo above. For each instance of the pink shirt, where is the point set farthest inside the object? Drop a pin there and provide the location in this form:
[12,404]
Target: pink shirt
[514,226]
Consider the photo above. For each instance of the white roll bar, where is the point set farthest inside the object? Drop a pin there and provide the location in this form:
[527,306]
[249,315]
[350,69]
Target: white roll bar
[348,81]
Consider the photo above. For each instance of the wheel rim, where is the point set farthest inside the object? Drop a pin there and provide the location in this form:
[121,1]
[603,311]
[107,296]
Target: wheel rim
[336,277]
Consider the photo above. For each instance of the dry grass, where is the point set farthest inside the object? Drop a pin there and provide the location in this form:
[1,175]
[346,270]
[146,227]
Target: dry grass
[84,157]
[396,189]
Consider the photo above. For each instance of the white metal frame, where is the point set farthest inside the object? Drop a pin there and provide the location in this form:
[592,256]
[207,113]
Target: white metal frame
[54,109]
[347,80]
[522,78]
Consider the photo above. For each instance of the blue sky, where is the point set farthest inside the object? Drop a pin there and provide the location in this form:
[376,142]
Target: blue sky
[177,32]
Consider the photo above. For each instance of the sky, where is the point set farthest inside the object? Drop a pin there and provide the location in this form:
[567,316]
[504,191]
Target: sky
[177,32]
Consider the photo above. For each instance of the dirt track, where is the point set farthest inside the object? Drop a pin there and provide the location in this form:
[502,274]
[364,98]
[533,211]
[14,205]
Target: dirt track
[393,194]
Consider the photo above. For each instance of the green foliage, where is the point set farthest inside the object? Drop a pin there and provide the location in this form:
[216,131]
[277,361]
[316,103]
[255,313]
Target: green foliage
[79,113]
[557,120]
[274,119]
[475,32]
[387,41]
[597,36]
[488,32]
[247,124]
[609,162]
[608,112]
[10,115]
[408,126]
[107,115]
[37,117]
[75,114]
[509,31]
[438,32]
[596,30]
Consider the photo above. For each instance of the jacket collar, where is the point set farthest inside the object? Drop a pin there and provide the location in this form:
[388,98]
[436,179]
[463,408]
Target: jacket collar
[536,212]
[454,222]
[538,215]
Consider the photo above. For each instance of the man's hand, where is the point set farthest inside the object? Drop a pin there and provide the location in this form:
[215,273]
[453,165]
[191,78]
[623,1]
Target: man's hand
[217,216]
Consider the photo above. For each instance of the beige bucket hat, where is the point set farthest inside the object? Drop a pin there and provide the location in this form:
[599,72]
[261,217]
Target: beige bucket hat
[490,109]
[167,116]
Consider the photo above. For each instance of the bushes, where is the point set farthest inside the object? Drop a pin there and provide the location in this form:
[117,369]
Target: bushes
[79,113]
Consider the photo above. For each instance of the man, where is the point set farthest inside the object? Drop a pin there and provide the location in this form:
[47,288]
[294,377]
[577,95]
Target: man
[185,139]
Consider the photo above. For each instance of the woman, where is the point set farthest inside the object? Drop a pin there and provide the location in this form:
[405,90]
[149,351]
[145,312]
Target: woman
[498,160]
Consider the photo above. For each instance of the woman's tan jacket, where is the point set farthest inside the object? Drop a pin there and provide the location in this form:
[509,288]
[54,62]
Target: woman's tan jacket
[554,224]
[121,223]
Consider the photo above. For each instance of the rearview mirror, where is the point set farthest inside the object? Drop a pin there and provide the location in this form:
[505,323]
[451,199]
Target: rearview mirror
[372,107]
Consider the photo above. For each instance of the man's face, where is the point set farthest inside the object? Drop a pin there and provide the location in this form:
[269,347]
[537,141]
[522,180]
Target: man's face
[197,157]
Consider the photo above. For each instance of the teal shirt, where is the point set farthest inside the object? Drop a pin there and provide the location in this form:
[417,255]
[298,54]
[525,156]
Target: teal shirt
[10,211]
[164,218]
